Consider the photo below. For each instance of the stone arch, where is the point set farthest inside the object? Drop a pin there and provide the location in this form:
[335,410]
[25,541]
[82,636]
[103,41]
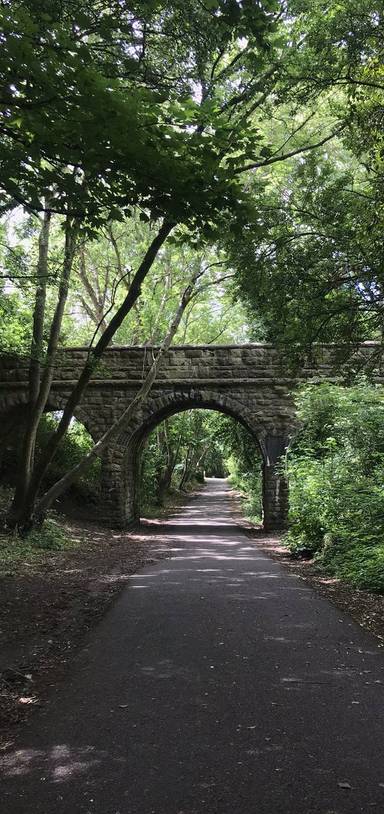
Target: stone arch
[120,465]
[13,414]
[15,406]
[159,407]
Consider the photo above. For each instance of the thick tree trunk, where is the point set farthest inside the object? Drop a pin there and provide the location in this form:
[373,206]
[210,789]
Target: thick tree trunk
[29,439]
[163,483]
[165,476]
[185,475]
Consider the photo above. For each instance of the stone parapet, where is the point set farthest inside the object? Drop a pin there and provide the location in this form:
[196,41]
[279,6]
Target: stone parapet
[244,363]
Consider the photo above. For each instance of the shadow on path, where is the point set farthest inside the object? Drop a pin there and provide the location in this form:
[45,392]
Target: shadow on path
[217,683]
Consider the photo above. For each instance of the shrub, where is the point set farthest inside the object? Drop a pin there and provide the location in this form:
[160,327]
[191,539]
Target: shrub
[336,475]
[50,536]
[249,482]
[360,564]
[74,445]
[16,552]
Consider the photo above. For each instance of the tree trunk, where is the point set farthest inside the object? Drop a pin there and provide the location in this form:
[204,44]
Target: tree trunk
[28,444]
[164,479]
[22,511]
[95,309]
[58,488]
[164,473]
[39,309]
[185,475]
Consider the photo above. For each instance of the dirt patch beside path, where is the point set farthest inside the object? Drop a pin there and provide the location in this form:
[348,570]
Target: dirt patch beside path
[48,606]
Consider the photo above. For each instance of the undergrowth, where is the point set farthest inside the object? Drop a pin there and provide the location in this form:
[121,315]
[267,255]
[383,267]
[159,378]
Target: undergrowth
[50,537]
[249,485]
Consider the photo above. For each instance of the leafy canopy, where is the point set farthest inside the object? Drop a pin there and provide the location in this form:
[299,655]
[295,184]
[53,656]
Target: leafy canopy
[109,106]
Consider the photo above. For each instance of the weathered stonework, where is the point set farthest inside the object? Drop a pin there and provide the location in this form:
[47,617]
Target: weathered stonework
[249,382]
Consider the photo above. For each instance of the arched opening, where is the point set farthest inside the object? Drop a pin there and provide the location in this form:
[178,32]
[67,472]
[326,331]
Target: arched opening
[183,450]
[117,495]
[84,492]
[82,496]
[121,461]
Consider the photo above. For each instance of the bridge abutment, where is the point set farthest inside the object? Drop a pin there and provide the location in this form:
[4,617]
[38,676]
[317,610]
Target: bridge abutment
[275,499]
[118,492]
[275,485]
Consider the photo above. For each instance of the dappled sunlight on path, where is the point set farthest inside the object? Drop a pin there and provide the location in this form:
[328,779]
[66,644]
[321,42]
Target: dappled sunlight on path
[218,683]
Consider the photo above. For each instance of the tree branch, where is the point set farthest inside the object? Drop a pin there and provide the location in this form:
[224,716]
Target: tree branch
[290,154]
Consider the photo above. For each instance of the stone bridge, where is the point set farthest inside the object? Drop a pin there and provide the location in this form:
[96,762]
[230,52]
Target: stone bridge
[249,382]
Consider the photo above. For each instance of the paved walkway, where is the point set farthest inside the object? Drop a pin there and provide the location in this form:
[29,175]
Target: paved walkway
[217,683]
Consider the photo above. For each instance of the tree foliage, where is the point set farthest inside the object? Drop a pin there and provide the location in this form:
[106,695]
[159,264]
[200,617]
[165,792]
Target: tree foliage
[116,111]
[117,105]
[147,145]
[317,275]
[314,266]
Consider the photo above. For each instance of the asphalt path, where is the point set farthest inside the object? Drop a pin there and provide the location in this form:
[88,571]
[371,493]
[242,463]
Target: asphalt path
[218,682]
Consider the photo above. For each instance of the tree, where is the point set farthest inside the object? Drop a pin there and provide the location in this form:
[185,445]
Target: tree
[335,471]
[314,266]
[102,276]
[93,131]
[66,480]
[317,273]
[158,111]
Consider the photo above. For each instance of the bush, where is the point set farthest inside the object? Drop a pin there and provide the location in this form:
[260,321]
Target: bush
[360,564]
[16,552]
[250,484]
[73,447]
[49,537]
[336,475]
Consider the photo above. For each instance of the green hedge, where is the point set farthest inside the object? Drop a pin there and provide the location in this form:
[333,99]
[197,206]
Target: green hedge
[336,478]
